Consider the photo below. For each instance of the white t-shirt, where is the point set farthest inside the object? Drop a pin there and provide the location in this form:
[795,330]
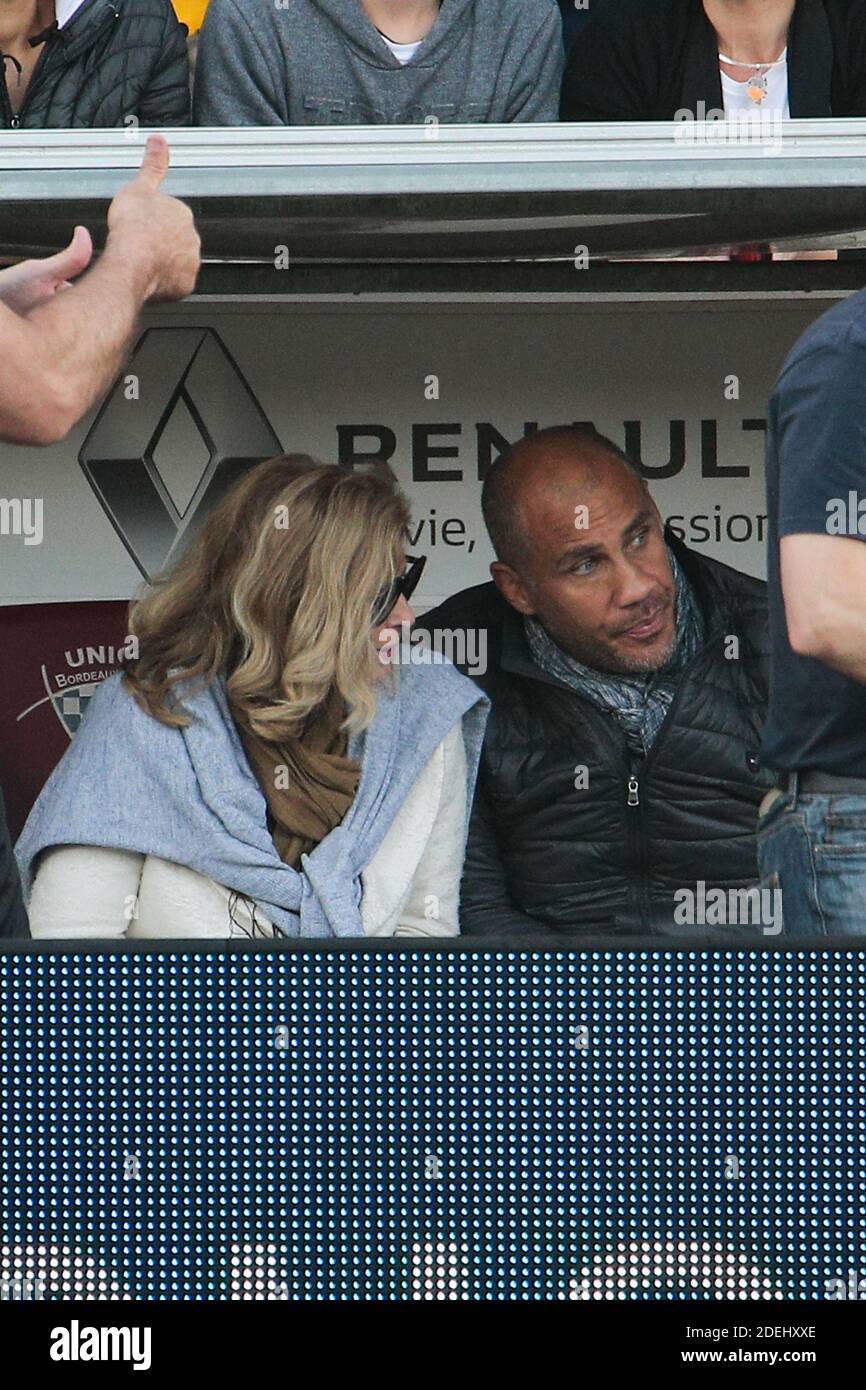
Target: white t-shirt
[403,52]
[736,94]
[65,9]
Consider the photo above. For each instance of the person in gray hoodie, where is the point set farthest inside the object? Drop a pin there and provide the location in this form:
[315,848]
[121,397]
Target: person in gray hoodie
[378,62]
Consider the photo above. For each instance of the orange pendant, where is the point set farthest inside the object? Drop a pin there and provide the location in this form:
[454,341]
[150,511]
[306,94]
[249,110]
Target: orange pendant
[757,93]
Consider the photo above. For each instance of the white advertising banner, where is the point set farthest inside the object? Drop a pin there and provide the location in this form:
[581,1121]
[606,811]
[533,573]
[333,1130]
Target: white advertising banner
[437,388]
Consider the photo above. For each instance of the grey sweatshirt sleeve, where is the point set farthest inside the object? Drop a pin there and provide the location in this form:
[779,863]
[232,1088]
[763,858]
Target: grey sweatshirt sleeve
[536,91]
[238,82]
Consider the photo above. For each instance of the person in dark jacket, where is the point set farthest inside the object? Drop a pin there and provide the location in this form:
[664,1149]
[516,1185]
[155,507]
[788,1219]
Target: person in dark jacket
[92,63]
[628,683]
[573,20]
[653,60]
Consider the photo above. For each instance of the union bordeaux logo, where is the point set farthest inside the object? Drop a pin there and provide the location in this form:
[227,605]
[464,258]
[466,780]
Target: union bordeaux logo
[53,659]
[68,692]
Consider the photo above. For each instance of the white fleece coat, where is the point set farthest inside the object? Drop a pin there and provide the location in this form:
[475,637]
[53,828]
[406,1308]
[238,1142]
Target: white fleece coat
[411,886]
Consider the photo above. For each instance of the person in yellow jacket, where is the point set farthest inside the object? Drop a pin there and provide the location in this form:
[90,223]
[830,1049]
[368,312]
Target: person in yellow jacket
[191,13]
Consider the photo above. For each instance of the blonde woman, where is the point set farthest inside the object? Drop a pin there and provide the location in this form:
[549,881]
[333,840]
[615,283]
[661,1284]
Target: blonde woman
[258,770]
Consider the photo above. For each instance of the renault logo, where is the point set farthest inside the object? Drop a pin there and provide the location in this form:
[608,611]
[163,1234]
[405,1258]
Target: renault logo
[179,427]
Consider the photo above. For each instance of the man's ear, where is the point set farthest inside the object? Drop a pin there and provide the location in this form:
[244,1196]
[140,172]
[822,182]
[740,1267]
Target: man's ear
[512,587]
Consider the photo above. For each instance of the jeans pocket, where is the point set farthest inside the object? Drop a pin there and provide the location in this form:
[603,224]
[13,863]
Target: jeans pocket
[844,827]
[788,877]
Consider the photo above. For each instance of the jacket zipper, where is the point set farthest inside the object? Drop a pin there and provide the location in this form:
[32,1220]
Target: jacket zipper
[15,118]
[635,831]
[678,694]
[636,839]
[635,825]
[638,772]
[635,834]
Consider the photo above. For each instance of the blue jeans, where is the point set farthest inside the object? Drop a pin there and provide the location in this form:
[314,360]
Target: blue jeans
[814,849]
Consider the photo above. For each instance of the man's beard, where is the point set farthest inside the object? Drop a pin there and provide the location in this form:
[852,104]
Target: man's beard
[643,665]
[606,662]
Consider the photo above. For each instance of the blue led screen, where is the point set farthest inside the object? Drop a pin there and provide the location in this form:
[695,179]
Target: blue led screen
[410,1124]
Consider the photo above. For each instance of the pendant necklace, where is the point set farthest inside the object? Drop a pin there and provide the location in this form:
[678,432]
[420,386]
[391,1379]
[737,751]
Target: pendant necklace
[758,86]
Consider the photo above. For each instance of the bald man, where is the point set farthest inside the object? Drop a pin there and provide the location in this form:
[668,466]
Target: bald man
[627,676]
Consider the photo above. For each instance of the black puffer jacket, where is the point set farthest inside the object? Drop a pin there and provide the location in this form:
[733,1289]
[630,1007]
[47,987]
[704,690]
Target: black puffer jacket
[114,59]
[549,860]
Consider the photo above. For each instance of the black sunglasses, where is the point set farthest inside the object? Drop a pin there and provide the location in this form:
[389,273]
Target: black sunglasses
[404,585]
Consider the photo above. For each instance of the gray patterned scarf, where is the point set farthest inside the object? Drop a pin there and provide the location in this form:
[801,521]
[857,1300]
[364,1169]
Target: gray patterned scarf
[639,703]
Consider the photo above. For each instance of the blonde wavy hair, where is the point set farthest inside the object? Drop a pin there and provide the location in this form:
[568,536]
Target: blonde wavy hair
[277,591]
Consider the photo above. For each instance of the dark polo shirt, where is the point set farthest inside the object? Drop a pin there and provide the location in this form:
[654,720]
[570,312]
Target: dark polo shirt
[816,485]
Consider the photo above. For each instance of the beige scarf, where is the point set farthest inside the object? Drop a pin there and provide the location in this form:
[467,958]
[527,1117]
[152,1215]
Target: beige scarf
[309,783]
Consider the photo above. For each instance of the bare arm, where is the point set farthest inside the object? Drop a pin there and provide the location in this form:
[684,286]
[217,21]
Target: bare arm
[61,354]
[824,591]
[64,355]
